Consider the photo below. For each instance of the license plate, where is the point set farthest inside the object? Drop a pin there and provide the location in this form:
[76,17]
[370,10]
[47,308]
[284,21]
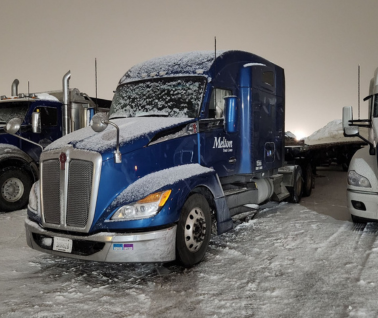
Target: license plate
[62,244]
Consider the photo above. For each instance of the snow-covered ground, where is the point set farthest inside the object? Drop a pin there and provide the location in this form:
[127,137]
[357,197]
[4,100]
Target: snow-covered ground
[289,261]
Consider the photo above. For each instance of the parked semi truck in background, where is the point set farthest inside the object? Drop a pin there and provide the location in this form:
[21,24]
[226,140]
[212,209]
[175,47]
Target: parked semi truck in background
[39,118]
[190,140]
[362,185]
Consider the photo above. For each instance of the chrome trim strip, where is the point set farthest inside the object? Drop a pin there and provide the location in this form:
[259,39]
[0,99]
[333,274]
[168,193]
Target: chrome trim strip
[72,153]
[362,192]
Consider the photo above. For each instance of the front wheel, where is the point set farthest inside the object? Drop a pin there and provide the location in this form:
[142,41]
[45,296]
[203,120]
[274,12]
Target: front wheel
[193,230]
[15,185]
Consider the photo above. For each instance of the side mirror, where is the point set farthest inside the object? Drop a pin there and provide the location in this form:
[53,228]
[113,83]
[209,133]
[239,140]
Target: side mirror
[347,116]
[99,122]
[36,122]
[13,126]
[230,114]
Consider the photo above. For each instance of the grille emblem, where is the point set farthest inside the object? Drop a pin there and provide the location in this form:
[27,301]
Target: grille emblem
[62,159]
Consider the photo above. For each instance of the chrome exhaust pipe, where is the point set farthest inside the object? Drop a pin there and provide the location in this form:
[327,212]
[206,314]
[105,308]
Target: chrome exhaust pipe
[14,91]
[66,101]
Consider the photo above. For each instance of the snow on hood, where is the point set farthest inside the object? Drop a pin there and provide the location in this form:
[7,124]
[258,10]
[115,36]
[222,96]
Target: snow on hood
[46,96]
[155,181]
[130,129]
[175,65]
[331,133]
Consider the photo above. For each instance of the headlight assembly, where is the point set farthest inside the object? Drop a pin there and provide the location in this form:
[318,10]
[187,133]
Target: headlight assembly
[33,198]
[357,180]
[142,209]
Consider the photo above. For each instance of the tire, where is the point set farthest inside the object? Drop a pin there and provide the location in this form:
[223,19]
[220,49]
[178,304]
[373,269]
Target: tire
[193,231]
[15,185]
[307,180]
[296,190]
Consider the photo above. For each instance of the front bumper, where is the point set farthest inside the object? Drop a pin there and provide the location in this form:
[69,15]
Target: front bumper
[154,246]
[369,199]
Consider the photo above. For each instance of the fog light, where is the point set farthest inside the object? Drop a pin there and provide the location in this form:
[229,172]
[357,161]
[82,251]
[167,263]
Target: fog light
[358,205]
[46,242]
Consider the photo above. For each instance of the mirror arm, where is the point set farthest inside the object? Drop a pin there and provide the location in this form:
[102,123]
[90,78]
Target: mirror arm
[371,145]
[118,155]
[32,142]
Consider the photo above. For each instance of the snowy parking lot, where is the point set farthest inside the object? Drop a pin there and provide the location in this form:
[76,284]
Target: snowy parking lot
[291,260]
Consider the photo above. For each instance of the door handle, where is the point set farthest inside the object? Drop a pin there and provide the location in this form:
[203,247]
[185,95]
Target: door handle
[232,160]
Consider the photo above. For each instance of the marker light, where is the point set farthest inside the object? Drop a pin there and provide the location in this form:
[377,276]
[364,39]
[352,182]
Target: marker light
[144,208]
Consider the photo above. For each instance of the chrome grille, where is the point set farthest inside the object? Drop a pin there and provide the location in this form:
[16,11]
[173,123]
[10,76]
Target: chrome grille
[79,192]
[51,191]
[69,188]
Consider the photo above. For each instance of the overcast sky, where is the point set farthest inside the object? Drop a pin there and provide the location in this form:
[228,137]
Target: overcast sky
[318,43]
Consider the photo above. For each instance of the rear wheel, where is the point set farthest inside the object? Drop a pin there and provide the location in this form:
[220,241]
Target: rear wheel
[15,185]
[193,230]
[307,180]
[296,190]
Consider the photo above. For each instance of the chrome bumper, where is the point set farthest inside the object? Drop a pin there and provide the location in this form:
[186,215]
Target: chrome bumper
[154,246]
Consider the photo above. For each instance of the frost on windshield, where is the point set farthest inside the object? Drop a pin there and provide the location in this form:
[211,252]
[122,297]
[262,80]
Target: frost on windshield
[11,110]
[173,97]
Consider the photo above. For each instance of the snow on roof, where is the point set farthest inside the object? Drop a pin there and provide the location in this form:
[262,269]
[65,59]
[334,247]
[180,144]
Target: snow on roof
[130,129]
[331,133]
[155,181]
[196,62]
[46,96]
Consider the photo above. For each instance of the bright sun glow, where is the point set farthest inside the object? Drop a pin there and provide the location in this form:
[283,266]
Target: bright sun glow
[299,134]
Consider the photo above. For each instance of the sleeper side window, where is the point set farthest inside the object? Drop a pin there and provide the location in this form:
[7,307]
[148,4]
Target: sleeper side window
[216,107]
[268,78]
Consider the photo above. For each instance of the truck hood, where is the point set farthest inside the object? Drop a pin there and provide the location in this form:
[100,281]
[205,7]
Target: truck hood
[135,132]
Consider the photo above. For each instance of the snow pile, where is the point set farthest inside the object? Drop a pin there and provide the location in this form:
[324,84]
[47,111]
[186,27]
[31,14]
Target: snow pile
[290,135]
[331,133]
[46,96]
[155,181]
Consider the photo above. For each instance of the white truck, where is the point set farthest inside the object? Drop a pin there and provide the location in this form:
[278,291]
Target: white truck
[362,187]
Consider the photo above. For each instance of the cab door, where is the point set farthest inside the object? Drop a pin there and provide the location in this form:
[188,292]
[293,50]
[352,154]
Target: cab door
[218,148]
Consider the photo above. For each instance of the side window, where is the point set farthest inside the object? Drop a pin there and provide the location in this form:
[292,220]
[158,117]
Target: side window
[268,78]
[216,106]
[49,116]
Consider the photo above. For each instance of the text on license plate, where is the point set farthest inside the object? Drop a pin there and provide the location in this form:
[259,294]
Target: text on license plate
[62,244]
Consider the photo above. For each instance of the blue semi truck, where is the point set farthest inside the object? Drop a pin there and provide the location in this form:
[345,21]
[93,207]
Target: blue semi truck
[40,118]
[191,140]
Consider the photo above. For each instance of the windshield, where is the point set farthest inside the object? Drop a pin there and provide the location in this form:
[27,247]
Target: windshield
[168,97]
[9,110]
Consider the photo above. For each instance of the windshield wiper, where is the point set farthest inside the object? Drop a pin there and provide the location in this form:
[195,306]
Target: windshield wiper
[152,114]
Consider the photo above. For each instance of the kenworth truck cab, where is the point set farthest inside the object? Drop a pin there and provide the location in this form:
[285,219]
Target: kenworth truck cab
[39,120]
[362,182]
[190,140]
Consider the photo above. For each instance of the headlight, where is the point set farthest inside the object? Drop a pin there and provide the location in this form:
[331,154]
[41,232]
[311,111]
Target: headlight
[357,180]
[33,198]
[145,208]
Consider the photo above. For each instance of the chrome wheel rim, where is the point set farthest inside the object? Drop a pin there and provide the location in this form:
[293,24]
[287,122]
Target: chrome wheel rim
[12,189]
[195,229]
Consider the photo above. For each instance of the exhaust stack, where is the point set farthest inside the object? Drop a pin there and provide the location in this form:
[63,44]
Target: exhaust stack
[14,91]
[66,101]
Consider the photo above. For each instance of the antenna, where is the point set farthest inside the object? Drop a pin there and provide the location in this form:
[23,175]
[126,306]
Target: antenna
[28,89]
[215,71]
[358,91]
[96,82]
